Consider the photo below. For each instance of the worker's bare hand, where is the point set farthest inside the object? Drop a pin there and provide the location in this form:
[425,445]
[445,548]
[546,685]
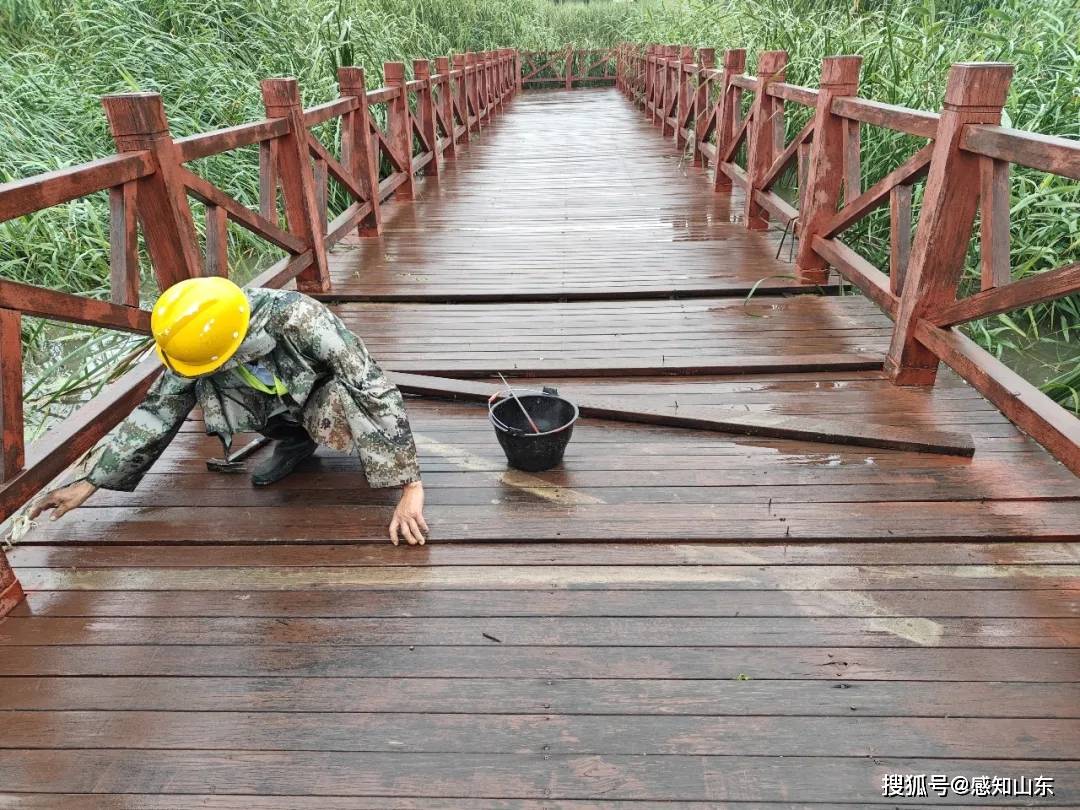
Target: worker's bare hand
[63,500]
[408,521]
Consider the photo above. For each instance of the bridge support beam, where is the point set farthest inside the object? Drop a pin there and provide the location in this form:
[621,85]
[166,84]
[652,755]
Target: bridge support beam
[974,94]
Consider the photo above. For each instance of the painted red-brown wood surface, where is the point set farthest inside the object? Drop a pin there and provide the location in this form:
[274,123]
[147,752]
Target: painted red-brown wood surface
[670,617]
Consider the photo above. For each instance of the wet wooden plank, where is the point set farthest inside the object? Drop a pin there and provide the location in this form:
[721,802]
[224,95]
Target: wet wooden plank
[516,775]
[546,696]
[714,336]
[584,519]
[1023,602]
[157,556]
[571,631]
[548,733]
[418,576]
[616,663]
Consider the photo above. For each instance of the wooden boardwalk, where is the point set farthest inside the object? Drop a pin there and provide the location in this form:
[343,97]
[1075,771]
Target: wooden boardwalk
[572,196]
[672,618]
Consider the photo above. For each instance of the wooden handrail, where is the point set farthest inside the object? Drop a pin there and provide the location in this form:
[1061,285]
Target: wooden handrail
[206,144]
[21,197]
[564,66]
[966,165]
[1047,153]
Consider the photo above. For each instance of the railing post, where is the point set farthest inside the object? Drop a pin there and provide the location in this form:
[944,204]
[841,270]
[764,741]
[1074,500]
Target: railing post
[425,110]
[471,85]
[138,122]
[974,94]
[11,593]
[730,112]
[569,69]
[839,77]
[505,85]
[489,90]
[650,75]
[706,61]
[657,82]
[461,92]
[485,84]
[358,153]
[281,98]
[686,57]
[446,104]
[12,448]
[761,147]
[518,78]
[399,125]
[670,87]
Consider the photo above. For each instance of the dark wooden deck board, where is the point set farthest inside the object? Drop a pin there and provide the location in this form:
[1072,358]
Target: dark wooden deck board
[570,195]
[231,647]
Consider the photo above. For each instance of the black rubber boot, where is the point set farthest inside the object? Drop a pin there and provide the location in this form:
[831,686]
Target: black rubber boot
[288,453]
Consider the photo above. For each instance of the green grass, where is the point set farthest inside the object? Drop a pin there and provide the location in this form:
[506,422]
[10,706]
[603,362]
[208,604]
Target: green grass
[207,57]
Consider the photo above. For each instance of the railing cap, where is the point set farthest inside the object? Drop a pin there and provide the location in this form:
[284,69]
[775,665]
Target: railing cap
[735,59]
[280,91]
[141,113]
[840,71]
[351,80]
[978,84]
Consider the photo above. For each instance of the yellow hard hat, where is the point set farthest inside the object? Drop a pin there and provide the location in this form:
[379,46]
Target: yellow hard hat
[199,323]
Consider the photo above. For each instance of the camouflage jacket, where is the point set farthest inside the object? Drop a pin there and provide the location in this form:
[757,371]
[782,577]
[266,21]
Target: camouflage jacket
[335,389]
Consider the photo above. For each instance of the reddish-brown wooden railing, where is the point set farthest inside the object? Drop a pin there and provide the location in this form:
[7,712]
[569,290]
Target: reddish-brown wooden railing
[149,181]
[965,163]
[568,66]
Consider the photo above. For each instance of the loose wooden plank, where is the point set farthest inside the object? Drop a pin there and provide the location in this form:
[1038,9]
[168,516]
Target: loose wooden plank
[866,435]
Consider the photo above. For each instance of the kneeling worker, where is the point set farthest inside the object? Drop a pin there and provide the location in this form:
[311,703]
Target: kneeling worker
[271,361]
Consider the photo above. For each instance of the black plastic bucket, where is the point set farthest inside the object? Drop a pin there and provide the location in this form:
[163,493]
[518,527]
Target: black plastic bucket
[524,449]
